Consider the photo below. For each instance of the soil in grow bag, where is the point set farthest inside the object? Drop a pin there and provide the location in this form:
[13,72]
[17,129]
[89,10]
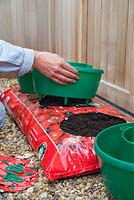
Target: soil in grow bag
[89,124]
[59,101]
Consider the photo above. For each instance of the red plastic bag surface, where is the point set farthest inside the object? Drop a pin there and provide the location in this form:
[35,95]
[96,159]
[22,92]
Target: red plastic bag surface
[16,174]
[61,154]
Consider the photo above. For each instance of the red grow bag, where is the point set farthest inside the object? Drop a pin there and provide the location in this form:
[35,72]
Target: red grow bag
[62,154]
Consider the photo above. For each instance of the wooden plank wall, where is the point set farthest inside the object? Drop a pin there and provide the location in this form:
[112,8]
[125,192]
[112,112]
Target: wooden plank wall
[100,32]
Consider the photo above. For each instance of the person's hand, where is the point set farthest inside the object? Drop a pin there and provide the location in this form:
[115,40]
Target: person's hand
[55,67]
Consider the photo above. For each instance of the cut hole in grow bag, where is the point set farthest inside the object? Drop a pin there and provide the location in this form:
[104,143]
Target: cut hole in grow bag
[59,101]
[89,124]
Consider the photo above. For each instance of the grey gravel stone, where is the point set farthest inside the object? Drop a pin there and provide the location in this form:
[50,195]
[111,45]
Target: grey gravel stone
[43,196]
[30,190]
[10,196]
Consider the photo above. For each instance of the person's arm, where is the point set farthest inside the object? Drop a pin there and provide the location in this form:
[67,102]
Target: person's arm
[22,60]
[15,59]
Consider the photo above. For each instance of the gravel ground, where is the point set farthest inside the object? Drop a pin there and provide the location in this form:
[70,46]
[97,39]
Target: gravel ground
[14,143]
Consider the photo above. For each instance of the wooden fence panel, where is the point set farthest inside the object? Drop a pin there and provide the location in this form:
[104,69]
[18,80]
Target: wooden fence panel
[90,31]
[43,25]
[112,42]
[18,25]
[97,32]
[129,78]
[100,32]
[5,20]
[104,36]
[30,21]
[121,42]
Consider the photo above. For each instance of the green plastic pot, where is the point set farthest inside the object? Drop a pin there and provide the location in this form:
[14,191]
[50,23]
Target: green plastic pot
[115,147]
[77,64]
[85,88]
[26,83]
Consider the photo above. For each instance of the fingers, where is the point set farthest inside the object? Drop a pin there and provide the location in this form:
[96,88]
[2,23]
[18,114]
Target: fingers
[63,73]
[68,76]
[63,78]
[58,81]
[69,68]
[69,72]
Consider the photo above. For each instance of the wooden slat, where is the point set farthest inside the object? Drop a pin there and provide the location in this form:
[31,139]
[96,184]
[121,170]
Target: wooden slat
[51,25]
[131,104]
[18,30]
[79,29]
[132,68]
[30,19]
[116,94]
[70,24]
[97,33]
[104,36]
[71,11]
[58,27]
[121,42]
[82,33]
[129,46]
[5,21]
[90,31]
[112,43]
[132,58]
[67,29]
[84,30]
[42,25]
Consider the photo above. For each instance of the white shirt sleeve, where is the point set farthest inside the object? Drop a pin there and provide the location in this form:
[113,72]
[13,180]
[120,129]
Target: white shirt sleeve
[15,59]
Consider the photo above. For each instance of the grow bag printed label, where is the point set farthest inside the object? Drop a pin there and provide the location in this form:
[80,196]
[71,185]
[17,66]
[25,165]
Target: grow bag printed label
[16,174]
[62,136]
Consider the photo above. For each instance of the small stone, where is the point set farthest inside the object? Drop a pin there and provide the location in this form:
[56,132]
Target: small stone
[26,155]
[21,196]
[106,198]
[62,197]
[10,196]
[43,196]
[79,198]
[5,195]
[30,190]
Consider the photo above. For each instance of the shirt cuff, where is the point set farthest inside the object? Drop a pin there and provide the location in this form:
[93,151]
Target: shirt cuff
[27,63]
